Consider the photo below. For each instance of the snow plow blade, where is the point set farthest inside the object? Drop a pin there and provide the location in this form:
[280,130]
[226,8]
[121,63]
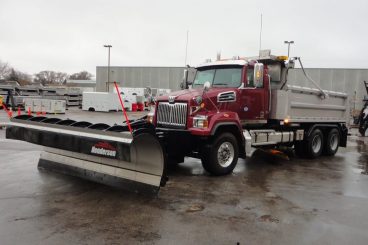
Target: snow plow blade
[98,152]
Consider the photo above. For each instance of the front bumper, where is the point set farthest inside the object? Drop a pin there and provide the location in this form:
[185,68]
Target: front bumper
[177,142]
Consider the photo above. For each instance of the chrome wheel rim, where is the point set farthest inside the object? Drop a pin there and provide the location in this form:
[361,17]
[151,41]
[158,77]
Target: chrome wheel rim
[225,154]
[334,142]
[316,143]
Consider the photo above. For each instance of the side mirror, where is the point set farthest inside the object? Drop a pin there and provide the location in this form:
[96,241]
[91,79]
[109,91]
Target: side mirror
[147,92]
[185,84]
[258,74]
[151,100]
[206,86]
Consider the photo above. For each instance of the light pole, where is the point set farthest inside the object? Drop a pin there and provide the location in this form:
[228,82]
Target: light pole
[108,68]
[288,43]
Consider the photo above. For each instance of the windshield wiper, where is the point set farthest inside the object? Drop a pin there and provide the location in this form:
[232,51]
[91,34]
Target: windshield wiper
[221,84]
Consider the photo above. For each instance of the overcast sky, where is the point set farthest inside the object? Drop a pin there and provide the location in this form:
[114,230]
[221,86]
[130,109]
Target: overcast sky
[68,35]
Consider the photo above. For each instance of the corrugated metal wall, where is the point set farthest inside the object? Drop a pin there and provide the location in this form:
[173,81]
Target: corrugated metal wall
[343,80]
[155,77]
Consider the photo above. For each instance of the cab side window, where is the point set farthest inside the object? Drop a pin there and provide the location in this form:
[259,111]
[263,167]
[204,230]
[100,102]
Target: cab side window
[250,77]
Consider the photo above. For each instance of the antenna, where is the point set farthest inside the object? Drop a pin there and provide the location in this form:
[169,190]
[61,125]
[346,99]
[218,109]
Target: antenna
[186,49]
[260,38]
[218,55]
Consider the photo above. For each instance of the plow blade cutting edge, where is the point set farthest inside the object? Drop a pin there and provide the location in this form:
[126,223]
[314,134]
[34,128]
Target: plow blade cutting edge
[96,152]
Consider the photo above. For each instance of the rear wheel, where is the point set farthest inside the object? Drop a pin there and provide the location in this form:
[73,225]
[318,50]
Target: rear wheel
[221,156]
[332,142]
[314,144]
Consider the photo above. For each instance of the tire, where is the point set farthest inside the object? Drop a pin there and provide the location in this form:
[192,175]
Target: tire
[332,142]
[314,144]
[363,130]
[91,109]
[221,157]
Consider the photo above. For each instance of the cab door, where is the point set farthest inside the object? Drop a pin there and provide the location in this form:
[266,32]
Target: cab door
[253,101]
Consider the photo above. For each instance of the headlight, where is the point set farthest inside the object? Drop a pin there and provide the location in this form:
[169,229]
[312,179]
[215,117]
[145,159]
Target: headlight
[200,122]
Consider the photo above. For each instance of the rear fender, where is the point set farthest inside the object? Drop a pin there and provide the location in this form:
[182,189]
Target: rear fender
[326,127]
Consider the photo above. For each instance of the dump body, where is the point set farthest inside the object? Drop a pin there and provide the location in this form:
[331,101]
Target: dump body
[305,105]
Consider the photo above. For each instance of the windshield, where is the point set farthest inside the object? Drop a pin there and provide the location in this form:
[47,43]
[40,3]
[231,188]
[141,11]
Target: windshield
[219,77]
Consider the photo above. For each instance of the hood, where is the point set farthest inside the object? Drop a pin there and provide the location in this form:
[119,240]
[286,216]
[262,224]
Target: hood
[189,94]
[182,95]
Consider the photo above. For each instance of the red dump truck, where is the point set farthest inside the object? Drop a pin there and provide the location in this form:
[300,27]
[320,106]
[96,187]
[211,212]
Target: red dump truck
[235,104]
[231,106]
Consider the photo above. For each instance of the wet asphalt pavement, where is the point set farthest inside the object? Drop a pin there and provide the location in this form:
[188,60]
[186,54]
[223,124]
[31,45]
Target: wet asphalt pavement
[267,200]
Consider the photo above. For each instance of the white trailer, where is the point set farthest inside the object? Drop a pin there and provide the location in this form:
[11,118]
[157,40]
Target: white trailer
[103,101]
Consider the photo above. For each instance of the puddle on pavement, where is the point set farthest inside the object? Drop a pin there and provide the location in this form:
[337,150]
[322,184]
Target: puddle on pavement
[362,148]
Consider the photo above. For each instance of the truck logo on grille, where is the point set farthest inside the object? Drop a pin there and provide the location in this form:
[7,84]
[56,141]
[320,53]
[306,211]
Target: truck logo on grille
[172,99]
[104,149]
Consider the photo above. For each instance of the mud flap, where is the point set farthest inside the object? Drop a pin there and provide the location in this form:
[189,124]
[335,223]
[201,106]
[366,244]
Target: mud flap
[112,157]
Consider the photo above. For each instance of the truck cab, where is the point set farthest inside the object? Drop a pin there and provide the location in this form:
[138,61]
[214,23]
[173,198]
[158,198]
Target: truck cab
[234,89]
[233,92]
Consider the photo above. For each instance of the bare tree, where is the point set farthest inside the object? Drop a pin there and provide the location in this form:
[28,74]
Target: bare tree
[21,77]
[50,77]
[5,70]
[83,75]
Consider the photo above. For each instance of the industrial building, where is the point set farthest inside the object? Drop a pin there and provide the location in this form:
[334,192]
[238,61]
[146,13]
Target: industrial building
[343,80]
[82,85]
[140,77]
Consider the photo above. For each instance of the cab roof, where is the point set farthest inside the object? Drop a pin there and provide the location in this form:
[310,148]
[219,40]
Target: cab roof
[264,57]
[240,62]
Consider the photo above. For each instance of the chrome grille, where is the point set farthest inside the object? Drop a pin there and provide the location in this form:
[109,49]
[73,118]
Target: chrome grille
[172,115]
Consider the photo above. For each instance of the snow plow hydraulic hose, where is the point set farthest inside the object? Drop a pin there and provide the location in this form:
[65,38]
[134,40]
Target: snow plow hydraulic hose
[99,152]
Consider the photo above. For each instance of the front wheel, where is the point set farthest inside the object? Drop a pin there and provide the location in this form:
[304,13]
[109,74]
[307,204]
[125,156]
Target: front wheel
[221,156]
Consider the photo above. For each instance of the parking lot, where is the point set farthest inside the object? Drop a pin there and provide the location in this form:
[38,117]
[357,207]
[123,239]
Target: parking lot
[269,199]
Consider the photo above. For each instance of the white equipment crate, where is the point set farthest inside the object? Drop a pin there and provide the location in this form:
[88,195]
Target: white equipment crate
[45,105]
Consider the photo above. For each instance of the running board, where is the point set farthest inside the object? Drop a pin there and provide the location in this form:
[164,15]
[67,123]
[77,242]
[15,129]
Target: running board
[269,137]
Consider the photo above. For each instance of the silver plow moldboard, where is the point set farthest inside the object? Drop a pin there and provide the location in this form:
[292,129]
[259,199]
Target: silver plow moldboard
[98,152]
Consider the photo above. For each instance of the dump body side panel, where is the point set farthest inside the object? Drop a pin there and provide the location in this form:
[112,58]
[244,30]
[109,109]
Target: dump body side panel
[301,104]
